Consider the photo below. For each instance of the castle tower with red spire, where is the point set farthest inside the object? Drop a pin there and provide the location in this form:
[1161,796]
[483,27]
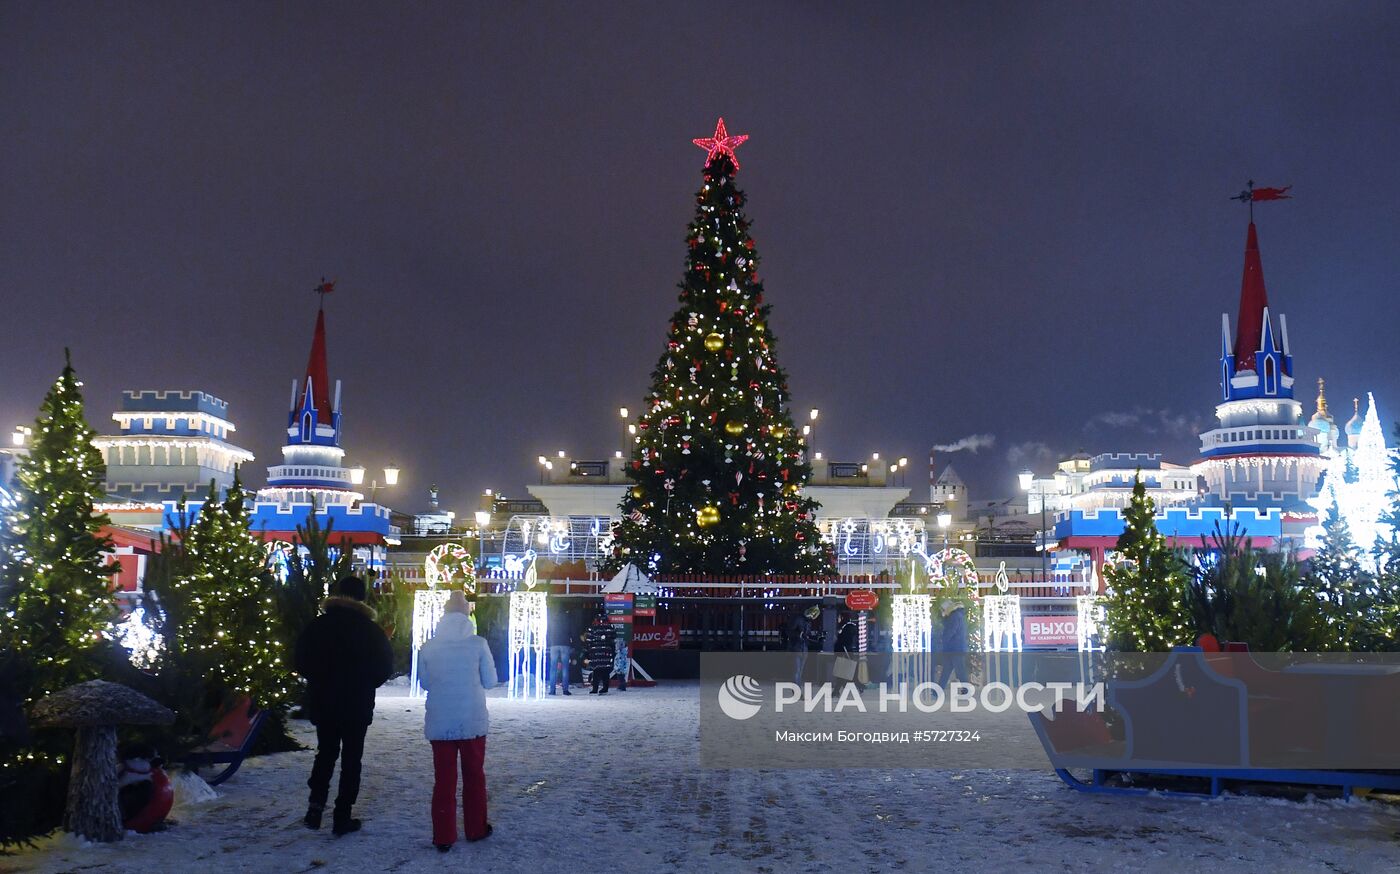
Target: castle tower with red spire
[1262,453]
[311,480]
[311,471]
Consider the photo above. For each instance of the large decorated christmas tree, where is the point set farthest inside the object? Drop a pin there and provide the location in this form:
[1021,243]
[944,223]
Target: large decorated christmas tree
[718,466]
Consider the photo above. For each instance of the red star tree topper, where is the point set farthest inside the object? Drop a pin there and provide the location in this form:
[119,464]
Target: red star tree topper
[721,144]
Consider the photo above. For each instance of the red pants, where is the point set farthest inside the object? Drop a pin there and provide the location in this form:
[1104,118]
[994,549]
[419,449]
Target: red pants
[473,753]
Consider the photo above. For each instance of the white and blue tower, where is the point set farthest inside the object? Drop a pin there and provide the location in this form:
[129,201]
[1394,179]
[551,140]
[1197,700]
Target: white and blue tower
[311,470]
[311,480]
[1262,453]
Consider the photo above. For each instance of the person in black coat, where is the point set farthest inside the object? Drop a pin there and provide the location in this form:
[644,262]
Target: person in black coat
[848,644]
[598,654]
[343,656]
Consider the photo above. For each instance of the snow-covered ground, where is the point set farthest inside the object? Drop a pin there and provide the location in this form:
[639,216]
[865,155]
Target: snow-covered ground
[590,784]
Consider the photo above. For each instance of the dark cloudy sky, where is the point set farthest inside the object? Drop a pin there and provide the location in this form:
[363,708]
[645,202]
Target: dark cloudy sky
[999,218]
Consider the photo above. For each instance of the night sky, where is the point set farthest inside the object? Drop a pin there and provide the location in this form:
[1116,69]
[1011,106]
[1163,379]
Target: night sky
[974,218]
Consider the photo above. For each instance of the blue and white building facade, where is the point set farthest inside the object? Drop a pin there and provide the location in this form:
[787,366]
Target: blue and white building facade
[173,444]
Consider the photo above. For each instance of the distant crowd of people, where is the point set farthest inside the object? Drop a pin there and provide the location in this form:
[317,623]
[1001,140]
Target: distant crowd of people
[802,634]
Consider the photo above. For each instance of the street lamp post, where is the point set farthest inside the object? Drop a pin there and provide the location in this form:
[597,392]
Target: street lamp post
[1027,480]
[945,519]
[813,443]
[483,519]
[622,412]
[391,478]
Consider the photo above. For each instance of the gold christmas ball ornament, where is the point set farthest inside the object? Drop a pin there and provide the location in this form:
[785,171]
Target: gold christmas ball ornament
[714,341]
[778,431]
[734,428]
[707,516]
[636,491]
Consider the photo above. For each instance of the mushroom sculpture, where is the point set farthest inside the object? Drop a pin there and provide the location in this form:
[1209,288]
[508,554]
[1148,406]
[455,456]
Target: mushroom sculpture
[95,709]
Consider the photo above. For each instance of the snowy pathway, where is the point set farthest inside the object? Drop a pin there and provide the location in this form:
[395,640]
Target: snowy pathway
[589,784]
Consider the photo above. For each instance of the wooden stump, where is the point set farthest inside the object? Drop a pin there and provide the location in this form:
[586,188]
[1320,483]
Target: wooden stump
[92,810]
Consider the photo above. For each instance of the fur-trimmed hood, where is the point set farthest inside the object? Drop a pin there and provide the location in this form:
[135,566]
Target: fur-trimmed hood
[350,604]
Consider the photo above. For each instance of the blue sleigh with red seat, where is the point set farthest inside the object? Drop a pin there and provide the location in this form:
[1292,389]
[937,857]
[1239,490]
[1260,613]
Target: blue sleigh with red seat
[230,742]
[1202,722]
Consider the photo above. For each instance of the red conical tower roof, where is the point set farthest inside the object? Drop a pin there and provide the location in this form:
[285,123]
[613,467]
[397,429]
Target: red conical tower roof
[1253,301]
[317,380]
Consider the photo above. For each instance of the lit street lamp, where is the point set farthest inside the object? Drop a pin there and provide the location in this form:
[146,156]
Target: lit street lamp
[391,478]
[813,427]
[945,519]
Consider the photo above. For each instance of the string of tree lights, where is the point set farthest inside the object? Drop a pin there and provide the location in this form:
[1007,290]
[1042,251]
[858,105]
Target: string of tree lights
[717,465]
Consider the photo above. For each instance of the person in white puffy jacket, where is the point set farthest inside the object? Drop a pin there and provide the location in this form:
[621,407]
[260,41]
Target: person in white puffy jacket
[456,668]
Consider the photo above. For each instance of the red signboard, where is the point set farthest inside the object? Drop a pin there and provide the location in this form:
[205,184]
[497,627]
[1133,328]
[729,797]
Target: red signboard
[862,599]
[1050,630]
[656,636]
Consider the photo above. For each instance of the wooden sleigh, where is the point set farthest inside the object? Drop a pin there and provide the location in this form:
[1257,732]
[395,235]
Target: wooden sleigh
[1203,723]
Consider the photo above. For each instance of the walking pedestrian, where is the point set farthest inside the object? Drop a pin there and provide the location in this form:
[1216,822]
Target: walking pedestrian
[343,656]
[953,642]
[847,666]
[456,669]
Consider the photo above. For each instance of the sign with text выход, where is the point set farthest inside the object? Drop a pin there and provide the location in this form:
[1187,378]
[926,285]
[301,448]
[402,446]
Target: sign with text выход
[1050,630]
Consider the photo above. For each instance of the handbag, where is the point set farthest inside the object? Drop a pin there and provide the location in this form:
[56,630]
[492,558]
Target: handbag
[845,668]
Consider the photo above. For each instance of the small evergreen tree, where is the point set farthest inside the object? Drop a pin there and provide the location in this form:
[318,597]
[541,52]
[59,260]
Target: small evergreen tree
[1253,596]
[57,588]
[231,601]
[1384,625]
[1143,610]
[55,598]
[315,564]
[1347,596]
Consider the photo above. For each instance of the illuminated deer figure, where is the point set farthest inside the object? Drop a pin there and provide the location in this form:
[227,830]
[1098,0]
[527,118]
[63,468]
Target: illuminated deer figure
[529,627]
